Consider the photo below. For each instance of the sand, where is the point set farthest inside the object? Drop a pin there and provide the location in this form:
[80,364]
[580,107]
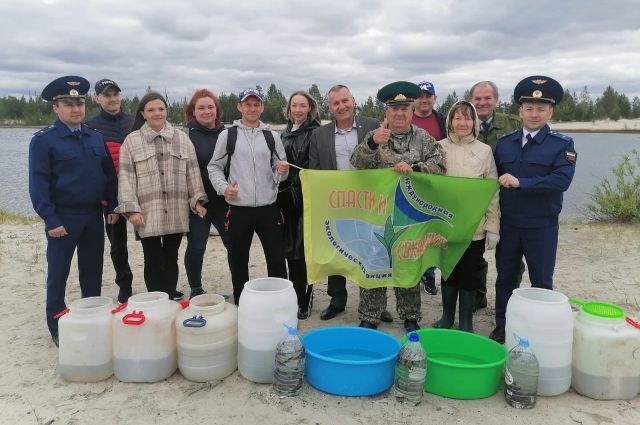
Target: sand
[595,261]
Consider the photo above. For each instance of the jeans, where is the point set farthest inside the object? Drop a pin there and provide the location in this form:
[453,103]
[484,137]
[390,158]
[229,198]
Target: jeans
[197,242]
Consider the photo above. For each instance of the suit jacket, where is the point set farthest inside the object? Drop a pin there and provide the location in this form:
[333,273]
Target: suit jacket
[322,148]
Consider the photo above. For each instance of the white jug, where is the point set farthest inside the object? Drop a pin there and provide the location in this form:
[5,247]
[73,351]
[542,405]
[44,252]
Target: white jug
[86,343]
[144,338]
[207,338]
[265,306]
[544,317]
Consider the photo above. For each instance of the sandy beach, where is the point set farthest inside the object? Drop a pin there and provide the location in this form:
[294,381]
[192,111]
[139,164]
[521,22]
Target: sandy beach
[595,261]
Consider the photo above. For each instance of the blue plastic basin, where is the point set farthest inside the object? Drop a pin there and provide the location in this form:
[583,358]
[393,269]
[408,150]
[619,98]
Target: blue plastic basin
[350,361]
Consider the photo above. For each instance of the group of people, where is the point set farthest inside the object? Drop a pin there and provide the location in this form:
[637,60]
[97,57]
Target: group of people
[245,180]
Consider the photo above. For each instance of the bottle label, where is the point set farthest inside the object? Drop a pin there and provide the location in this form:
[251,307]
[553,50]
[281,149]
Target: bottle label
[417,373]
[508,379]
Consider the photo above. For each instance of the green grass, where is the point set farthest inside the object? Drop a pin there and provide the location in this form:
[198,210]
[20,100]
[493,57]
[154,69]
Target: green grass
[11,218]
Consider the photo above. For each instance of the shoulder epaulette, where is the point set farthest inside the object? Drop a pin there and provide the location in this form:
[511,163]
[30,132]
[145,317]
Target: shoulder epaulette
[44,130]
[560,136]
[510,134]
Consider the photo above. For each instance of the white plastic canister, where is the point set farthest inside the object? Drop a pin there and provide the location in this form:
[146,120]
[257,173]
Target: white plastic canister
[207,338]
[265,306]
[606,358]
[86,343]
[544,317]
[144,338]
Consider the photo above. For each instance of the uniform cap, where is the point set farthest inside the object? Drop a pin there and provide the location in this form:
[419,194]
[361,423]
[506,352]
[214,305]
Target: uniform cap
[399,93]
[70,87]
[538,88]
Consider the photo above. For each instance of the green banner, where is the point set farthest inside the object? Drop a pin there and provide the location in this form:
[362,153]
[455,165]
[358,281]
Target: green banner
[381,228]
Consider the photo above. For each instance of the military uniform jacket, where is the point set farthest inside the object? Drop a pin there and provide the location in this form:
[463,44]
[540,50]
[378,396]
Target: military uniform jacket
[544,167]
[501,125]
[415,147]
[159,177]
[69,173]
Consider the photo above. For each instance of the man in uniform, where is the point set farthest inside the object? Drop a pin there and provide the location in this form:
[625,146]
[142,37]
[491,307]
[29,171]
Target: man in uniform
[433,122]
[71,181]
[493,125]
[114,125]
[535,166]
[330,148]
[398,144]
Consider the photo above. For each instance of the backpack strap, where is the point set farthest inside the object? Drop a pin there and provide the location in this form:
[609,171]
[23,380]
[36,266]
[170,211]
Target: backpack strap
[271,143]
[232,136]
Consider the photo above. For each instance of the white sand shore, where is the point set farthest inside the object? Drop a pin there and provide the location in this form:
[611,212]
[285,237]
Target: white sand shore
[598,262]
[598,126]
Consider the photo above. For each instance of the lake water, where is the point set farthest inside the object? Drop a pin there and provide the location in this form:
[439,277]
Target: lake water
[598,153]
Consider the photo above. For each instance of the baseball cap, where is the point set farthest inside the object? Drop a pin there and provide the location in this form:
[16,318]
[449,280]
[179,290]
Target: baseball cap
[248,93]
[104,84]
[428,87]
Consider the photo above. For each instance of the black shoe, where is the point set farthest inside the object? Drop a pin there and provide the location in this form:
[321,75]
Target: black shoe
[411,325]
[303,314]
[177,296]
[481,301]
[55,340]
[429,284]
[195,292]
[497,334]
[124,294]
[330,312]
[367,325]
[386,317]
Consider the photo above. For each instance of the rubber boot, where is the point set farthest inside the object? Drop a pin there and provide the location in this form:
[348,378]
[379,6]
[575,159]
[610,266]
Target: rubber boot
[465,315]
[449,301]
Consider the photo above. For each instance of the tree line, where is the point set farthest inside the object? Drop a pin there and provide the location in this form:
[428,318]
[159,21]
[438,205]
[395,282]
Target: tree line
[32,110]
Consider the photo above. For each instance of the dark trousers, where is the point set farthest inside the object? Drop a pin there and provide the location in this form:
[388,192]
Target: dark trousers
[539,248]
[117,234]
[161,262]
[243,222]
[197,242]
[337,290]
[84,232]
[298,276]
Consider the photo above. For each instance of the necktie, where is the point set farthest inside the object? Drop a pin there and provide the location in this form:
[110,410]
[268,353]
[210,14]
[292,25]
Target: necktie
[484,128]
[529,139]
[77,134]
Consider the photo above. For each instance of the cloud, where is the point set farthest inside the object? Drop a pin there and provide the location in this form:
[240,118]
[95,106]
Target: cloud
[231,45]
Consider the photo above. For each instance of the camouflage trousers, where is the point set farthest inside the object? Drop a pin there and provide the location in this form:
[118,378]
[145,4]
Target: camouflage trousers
[374,301]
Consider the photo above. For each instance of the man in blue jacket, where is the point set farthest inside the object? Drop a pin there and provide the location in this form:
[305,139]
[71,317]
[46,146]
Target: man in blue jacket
[114,125]
[71,180]
[535,166]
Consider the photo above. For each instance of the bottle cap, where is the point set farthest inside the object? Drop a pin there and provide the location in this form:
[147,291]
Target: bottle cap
[291,329]
[523,342]
[413,336]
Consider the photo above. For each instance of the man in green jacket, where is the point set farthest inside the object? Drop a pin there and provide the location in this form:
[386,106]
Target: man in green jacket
[493,125]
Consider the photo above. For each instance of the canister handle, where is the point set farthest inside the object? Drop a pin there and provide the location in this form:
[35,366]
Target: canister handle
[632,322]
[135,318]
[195,322]
[119,308]
[61,313]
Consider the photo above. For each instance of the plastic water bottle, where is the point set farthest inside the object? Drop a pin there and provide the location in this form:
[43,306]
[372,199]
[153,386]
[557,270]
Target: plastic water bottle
[411,371]
[289,372]
[521,376]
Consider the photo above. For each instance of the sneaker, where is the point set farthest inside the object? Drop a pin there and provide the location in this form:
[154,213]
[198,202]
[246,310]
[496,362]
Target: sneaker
[177,296]
[195,292]
[123,295]
[429,285]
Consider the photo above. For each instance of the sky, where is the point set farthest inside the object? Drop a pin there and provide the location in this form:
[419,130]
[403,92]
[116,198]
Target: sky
[227,46]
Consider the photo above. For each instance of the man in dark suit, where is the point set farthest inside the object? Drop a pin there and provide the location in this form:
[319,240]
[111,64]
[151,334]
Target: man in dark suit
[330,149]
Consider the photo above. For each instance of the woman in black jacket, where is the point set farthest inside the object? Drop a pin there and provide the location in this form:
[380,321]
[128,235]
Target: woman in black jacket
[204,115]
[302,119]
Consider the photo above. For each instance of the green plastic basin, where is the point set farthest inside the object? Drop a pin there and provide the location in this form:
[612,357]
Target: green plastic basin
[462,365]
